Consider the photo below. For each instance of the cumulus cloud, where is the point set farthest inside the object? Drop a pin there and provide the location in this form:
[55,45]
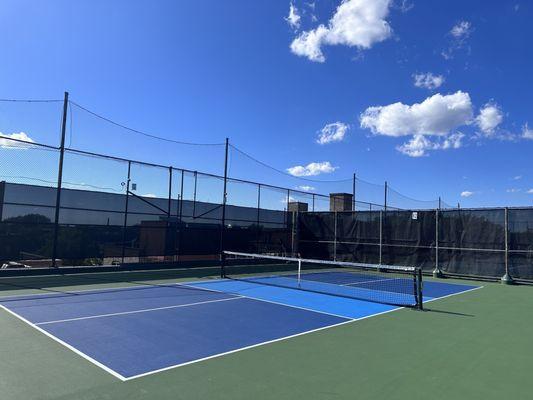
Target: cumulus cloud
[489,118]
[356,23]
[436,115]
[334,132]
[5,143]
[428,80]
[527,133]
[293,19]
[419,145]
[312,169]
[306,188]
[466,193]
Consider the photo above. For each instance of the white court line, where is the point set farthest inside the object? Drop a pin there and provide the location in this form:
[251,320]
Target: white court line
[105,289]
[453,294]
[279,303]
[68,346]
[138,311]
[259,344]
[122,378]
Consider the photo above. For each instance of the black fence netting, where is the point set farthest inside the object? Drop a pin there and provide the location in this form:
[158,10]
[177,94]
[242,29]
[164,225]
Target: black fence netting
[466,242]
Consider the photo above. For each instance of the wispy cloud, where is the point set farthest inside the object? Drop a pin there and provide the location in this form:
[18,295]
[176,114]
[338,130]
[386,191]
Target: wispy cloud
[293,19]
[306,188]
[459,34]
[466,193]
[334,132]
[428,80]
[356,23]
[312,169]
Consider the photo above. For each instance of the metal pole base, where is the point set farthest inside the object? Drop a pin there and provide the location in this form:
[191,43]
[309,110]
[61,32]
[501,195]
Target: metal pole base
[507,279]
[437,273]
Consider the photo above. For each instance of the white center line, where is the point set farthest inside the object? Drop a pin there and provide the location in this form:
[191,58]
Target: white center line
[138,311]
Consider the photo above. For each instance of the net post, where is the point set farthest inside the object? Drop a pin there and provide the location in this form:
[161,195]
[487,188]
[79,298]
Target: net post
[223,265]
[419,295]
[506,279]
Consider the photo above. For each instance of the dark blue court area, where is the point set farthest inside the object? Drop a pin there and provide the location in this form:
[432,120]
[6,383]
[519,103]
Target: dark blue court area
[135,331]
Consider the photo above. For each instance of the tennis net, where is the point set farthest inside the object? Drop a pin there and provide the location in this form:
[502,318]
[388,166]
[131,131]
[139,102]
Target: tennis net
[387,284]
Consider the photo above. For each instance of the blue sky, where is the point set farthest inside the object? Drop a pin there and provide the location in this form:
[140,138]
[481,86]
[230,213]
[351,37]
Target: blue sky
[432,96]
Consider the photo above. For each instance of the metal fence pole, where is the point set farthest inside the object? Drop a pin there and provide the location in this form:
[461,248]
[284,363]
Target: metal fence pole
[169,225]
[353,192]
[194,194]
[59,180]
[335,237]
[437,273]
[385,198]
[380,237]
[223,221]
[180,215]
[125,226]
[258,219]
[507,278]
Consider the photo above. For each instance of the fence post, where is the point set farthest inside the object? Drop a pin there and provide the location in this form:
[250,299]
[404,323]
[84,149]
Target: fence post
[507,278]
[335,237]
[59,180]
[168,236]
[125,226]
[380,237]
[194,194]
[180,216]
[353,192]
[385,199]
[258,229]
[223,221]
[437,273]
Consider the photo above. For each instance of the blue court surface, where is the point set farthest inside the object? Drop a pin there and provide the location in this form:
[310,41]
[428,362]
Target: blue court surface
[136,331]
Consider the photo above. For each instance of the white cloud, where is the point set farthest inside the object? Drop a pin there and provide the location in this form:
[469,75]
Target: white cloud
[489,118]
[419,145]
[306,188]
[436,115]
[460,33]
[293,19]
[466,193]
[530,191]
[527,133]
[461,30]
[517,177]
[151,195]
[356,23]
[334,132]
[513,190]
[11,144]
[312,169]
[428,80]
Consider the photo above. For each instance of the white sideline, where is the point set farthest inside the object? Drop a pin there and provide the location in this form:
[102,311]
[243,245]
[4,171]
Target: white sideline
[138,311]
